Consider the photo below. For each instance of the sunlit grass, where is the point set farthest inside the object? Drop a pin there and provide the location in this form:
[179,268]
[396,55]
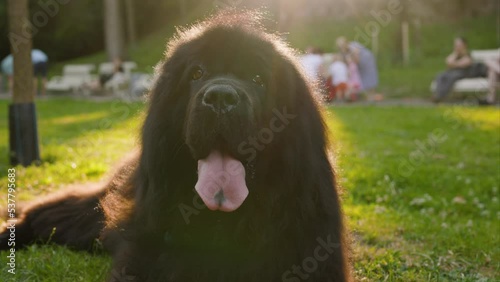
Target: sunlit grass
[79,141]
[435,220]
[441,222]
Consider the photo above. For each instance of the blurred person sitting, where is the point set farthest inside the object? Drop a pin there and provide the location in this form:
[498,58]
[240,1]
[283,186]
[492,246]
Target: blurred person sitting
[338,79]
[312,61]
[366,64]
[493,81]
[40,62]
[458,63]
[116,76]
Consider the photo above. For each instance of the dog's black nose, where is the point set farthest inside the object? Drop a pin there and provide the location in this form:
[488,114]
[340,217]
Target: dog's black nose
[221,98]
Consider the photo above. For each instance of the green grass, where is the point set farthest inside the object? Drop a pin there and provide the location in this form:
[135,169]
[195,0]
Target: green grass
[428,214]
[421,214]
[57,264]
[79,141]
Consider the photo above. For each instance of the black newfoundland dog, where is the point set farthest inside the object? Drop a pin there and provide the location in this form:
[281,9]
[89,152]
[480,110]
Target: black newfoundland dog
[232,182]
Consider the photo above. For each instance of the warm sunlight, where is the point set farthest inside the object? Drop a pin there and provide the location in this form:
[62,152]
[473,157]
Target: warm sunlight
[249,140]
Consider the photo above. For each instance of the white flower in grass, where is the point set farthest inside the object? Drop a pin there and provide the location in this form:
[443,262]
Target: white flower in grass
[443,214]
[485,213]
[459,200]
[420,201]
[427,211]
[382,199]
[380,209]
[469,223]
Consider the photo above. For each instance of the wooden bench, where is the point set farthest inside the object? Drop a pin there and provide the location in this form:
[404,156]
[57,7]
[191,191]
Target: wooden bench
[474,85]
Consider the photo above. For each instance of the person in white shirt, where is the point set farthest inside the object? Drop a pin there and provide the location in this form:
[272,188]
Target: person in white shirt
[338,76]
[311,62]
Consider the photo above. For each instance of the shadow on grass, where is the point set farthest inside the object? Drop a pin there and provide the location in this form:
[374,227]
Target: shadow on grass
[65,121]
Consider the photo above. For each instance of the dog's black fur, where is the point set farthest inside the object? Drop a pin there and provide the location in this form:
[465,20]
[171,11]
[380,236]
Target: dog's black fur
[156,227]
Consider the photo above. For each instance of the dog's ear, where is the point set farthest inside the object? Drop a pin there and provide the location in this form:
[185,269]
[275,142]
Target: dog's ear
[292,92]
[305,133]
[163,155]
[168,88]
[162,129]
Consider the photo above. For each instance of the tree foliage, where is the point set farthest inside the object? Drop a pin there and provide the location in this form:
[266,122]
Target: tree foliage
[77,28]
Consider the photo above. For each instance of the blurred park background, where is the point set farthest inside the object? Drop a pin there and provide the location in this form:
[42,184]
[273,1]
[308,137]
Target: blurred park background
[75,33]
[421,181]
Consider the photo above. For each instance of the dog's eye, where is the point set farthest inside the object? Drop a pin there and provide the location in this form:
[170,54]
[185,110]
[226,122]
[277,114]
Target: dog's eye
[197,74]
[258,79]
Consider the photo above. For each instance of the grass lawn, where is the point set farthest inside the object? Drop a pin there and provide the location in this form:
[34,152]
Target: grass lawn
[421,186]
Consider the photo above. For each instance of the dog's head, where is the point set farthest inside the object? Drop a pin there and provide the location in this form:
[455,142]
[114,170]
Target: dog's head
[229,91]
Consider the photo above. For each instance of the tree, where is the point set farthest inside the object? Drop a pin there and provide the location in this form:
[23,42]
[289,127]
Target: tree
[132,37]
[402,36]
[279,7]
[23,136]
[182,7]
[113,29]
[20,45]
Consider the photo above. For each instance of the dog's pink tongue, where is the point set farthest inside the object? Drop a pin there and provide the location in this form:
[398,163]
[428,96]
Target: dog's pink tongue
[221,182]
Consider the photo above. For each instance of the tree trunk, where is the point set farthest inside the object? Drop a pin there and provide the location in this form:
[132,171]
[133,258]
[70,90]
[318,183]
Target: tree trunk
[20,43]
[282,15]
[404,19]
[23,135]
[113,29]
[463,9]
[182,8]
[130,22]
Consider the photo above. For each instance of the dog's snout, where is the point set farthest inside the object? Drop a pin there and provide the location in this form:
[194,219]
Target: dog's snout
[221,98]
